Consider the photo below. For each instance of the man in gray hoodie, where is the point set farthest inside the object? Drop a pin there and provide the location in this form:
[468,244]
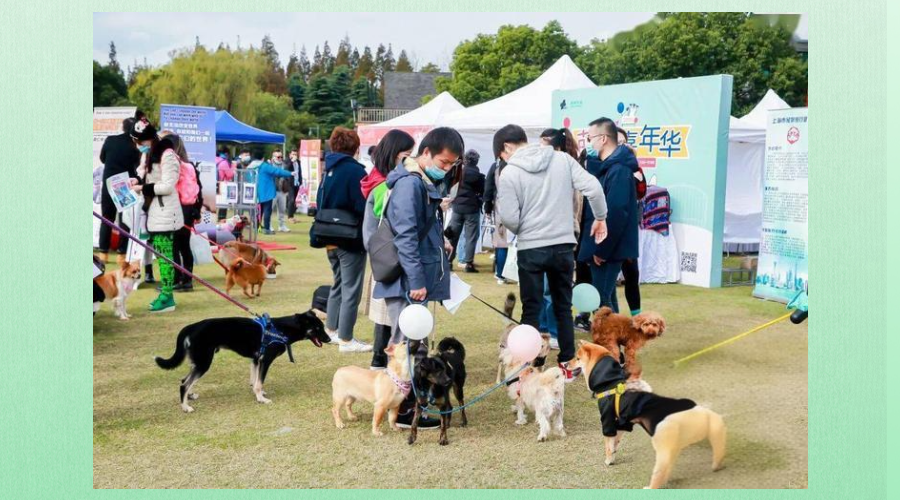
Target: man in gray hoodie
[534,202]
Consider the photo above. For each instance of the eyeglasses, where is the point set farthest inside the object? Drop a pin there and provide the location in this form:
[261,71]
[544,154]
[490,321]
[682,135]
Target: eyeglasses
[592,137]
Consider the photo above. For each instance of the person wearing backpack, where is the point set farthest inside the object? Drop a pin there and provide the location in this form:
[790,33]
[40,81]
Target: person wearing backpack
[161,203]
[189,195]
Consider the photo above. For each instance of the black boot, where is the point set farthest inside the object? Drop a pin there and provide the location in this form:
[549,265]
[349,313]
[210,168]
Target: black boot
[382,337]
[148,274]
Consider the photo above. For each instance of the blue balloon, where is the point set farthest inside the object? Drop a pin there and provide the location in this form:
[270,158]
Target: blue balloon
[585,298]
[621,107]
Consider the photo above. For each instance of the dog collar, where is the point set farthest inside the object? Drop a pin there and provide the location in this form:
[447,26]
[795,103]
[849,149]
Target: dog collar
[403,385]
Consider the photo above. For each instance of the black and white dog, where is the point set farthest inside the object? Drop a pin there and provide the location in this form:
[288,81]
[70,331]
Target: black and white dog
[200,341]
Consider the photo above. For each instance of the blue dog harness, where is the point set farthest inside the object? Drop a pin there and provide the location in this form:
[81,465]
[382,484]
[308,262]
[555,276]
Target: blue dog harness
[271,335]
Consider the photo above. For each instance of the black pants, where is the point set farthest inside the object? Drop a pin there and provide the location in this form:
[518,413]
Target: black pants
[108,210]
[181,247]
[632,275]
[382,337]
[292,202]
[558,263]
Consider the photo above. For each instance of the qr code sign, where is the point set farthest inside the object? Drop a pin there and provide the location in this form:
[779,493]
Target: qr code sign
[689,262]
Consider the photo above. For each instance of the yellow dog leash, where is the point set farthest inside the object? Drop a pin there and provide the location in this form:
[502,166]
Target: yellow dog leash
[732,339]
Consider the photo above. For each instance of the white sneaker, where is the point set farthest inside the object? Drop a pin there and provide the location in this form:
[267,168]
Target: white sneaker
[333,335]
[501,281]
[554,344]
[284,229]
[354,345]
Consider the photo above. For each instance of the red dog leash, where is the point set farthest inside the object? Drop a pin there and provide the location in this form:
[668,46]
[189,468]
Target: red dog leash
[174,264]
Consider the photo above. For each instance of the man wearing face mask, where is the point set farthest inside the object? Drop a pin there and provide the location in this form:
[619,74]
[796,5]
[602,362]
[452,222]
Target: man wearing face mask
[534,202]
[283,187]
[413,208]
[614,166]
[293,167]
[265,188]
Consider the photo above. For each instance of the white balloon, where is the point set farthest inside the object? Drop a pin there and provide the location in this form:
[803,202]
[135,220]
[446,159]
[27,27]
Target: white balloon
[416,322]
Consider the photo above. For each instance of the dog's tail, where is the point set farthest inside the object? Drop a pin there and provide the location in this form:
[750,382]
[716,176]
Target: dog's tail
[600,315]
[509,305]
[451,344]
[181,345]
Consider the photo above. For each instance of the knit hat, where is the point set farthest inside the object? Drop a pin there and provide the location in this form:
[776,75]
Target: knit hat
[142,129]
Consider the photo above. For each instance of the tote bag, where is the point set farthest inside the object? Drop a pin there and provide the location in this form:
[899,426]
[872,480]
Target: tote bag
[511,268]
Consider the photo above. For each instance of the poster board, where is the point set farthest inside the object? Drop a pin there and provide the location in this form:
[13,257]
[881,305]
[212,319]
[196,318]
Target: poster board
[196,126]
[107,122]
[310,151]
[680,131]
[783,249]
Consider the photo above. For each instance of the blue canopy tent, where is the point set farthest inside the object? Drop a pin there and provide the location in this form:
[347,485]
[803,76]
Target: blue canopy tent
[230,129]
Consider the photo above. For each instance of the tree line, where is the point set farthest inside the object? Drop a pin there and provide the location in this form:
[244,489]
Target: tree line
[308,97]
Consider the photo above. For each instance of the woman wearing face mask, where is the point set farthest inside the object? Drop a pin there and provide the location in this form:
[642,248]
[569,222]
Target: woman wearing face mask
[182,237]
[393,149]
[164,215]
[266,176]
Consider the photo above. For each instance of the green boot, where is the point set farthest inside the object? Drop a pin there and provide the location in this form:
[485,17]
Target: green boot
[163,303]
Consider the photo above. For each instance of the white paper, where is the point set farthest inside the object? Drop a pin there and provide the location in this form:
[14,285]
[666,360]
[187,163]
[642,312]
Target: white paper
[459,292]
[120,191]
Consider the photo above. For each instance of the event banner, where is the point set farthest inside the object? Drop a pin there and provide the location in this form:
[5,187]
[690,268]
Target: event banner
[107,122]
[783,247]
[310,151]
[679,129]
[196,126]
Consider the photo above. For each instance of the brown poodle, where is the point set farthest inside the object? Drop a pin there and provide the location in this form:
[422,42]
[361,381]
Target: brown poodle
[612,330]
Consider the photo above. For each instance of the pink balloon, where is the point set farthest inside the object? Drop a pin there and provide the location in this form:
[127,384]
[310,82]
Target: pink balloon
[524,343]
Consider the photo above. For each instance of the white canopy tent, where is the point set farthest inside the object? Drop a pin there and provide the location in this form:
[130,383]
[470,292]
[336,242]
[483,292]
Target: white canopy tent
[746,169]
[417,122]
[528,107]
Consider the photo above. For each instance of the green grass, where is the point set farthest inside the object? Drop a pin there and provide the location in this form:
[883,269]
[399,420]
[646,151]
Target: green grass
[142,439]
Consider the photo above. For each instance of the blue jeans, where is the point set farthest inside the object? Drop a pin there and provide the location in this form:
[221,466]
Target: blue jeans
[547,320]
[604,279]
[500,260]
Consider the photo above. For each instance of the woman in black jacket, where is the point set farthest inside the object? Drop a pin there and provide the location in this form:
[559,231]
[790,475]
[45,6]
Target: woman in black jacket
[467,209]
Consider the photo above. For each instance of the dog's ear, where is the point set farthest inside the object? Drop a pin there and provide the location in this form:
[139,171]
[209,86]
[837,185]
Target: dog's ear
[582,342]
[638,321]
[389,350]
[662,325]
[545,336]
[603,312]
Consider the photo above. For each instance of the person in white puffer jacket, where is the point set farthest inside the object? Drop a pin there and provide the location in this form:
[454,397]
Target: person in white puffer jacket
[161,202]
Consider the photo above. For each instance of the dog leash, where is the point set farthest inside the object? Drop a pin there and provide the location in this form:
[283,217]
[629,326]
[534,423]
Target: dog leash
[498,311]
[175,264]
[478,398]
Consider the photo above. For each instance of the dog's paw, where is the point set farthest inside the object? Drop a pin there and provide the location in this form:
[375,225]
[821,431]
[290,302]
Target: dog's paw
[123,318]
[377,433]
[444,442]
[193,396]
[561,434]
[340,425]
[610,460]
[464,424]
[541,439]
[411,441]
[395,428]
[264,400]
[187,409]
[521,421]
[353,418]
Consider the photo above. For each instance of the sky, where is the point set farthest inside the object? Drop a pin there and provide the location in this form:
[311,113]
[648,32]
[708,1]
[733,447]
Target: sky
[427,37]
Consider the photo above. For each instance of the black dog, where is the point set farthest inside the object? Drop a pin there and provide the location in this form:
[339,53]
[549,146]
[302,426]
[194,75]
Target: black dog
[200,342]
[433,377]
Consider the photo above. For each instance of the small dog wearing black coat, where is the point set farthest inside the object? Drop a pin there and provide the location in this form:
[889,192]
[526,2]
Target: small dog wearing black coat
[200,341]
[433,378]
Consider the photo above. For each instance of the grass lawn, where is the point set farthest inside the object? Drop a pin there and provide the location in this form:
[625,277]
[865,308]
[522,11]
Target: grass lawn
[142,439]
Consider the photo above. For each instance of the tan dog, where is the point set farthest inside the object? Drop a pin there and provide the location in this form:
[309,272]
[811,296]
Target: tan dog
[118,285]
[672,424]
[544,394]
[247,276]
[386,389]
[612,330]
[233,250]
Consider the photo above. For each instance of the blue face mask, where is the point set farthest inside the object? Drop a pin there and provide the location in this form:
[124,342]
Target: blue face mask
[590,151]
[435,173]
[143,149]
